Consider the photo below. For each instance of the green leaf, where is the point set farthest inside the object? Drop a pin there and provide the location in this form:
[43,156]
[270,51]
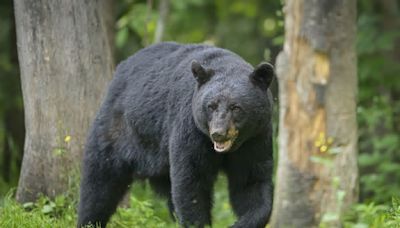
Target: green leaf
[28,205]
[330,217]
[321,160]
[47,209]
[122,37]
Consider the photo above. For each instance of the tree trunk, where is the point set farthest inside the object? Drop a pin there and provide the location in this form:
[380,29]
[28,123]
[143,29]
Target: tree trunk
[162,20]
[391,23]
[66,63]
[317,170]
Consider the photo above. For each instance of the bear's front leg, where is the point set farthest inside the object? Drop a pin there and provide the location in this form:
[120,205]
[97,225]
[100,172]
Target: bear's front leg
[193,173]
[252,203]
[250,187]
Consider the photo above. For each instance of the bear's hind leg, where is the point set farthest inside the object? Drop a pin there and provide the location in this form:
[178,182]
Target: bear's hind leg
[105,180]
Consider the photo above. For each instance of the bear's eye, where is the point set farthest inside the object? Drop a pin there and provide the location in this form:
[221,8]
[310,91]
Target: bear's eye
[212,106]
[235,108]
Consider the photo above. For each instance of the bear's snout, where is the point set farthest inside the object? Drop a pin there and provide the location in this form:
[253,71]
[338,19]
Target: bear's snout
[223,138]
[219,135]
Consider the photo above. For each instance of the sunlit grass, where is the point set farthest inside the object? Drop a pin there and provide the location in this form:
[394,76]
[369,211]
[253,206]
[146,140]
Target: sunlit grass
[146,209]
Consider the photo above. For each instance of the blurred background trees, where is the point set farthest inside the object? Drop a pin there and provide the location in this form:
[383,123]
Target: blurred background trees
[12,131]
[378,49]
[254,30]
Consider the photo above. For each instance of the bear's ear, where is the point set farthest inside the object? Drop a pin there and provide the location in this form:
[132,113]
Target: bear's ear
[262,75]
[201,74]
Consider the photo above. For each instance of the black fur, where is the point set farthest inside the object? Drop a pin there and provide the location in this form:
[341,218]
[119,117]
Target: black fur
[155,124]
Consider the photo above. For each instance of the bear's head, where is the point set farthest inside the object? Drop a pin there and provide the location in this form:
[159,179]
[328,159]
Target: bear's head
[232,104]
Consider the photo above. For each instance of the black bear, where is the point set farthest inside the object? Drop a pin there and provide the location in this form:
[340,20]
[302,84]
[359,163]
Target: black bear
[176,115]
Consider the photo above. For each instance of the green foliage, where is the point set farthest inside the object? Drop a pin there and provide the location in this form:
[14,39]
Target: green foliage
[145,210]
[43,213]
[141,214]
[253,29]
[374,216]
[379,105]
[222,212]
[61,212]
[379,158]
[11,107]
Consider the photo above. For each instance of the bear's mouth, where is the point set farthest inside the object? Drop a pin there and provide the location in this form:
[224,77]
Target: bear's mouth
[223,146]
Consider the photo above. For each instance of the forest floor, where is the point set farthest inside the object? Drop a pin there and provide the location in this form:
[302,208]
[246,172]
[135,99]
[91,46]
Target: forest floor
[148,210]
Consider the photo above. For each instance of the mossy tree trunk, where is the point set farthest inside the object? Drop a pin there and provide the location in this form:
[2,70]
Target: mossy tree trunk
[317,169]
[66,61]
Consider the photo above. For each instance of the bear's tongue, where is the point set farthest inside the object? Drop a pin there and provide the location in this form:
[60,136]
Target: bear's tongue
[222,146]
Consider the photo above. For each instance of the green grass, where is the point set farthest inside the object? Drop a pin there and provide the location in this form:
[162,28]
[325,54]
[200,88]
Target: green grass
[43,213]
[146,210]
[374,216]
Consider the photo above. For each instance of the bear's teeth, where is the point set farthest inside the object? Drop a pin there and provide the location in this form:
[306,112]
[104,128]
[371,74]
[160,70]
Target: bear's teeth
[222,146]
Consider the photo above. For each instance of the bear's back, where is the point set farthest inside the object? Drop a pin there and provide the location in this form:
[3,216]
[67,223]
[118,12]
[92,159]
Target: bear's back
[158,78]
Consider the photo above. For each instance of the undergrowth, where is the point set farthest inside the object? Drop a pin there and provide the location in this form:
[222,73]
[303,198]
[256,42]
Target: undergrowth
[148,210]
[145,209]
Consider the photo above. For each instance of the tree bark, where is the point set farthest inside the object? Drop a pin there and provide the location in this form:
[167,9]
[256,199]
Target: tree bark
[317,175]
[66,62]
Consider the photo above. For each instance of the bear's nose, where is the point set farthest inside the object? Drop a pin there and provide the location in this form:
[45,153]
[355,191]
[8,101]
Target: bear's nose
[219,136]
